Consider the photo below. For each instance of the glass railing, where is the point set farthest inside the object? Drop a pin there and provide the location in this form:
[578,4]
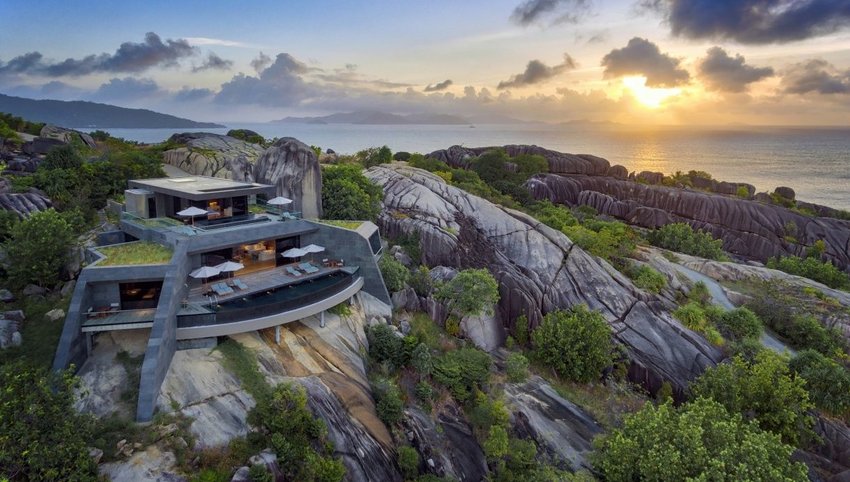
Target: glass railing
[271,302]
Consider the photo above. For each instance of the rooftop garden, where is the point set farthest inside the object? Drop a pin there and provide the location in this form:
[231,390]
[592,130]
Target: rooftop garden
[344,223]
[141,252]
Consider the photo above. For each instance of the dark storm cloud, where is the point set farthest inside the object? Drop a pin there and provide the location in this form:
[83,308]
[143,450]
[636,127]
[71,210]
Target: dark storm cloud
[722,72]
[561,11]
[129,57]
[816,76]
[261,62]
[127,88]
[438,86]
[537,72]
[753,21]
[642,57]
[214,62]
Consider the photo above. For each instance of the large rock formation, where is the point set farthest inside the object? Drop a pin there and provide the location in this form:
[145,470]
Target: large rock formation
[288,164]
[66,136]
[24,204]
[538,270]
[748,228]
[293,167]
[559,162]
[213,155]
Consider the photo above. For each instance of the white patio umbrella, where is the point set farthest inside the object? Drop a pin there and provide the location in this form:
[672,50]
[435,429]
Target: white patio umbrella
[313,248]
[191,212]
[229,266]
[293,253]
[279,201]
[205,272]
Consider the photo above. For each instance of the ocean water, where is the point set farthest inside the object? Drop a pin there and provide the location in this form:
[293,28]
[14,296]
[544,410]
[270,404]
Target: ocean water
[815,162]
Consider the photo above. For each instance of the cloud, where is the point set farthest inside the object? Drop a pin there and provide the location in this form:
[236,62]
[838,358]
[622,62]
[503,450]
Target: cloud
[537,72]
[128,88]
[349,76]
[280,84]
[128,58]
[721,72]
[214,62]
[188,94]
[438,86]
[753,21]
[642,57]
[21,64]
[261,62]
[816,76]
[564,11]
[205,41]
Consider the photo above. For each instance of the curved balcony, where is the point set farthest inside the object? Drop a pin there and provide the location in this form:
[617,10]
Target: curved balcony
[271,308]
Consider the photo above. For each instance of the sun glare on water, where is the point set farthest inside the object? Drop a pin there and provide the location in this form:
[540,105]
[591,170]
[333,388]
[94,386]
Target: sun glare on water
[648,96]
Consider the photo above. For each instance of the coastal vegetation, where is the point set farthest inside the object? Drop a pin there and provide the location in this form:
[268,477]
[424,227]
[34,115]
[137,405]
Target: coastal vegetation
[813,268]
[576,344]
[348,195]
[682,238]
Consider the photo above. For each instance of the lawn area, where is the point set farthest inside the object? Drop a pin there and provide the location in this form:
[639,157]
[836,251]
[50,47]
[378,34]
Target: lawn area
[342,223]
[140,252]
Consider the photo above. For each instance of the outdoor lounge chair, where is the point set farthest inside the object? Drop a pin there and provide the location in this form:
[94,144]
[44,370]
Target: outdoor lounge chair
[308,268]
[222,289]
[293,271]
[239,284]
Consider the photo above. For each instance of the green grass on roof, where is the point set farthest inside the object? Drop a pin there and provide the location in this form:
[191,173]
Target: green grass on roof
[342,223]
[141,252]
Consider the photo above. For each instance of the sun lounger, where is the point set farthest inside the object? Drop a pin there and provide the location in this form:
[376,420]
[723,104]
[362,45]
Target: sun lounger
[222,289]
[239,284]
[293,271]
[308,268]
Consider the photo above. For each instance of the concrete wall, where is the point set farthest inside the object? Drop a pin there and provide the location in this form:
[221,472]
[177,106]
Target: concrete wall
[354,249]
[163,339]
[96,286]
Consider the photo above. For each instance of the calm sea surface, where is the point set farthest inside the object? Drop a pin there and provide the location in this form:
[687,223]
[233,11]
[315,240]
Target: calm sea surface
[815,162]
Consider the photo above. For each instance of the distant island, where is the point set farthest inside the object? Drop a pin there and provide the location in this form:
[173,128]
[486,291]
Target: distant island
[93,115]
[374,117]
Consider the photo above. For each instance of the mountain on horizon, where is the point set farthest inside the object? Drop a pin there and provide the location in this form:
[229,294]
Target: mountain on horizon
[373,117]
[82,114]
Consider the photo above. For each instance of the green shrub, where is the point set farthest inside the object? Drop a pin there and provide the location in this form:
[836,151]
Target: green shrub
[420,281]
[470,292]
[62,157]
[699,294]
[680,237]
[401,156]
[421,359]
[424,392]
[428,163]
[42,436]
[8,220]
[812,268]
[388,403]
[764,390]
[496,444]
[521,330]
[742,192]
[646,278]
[37,249]
[386,346]
[259,473]
[298,438]
[609,240]
[348,195]
[408,462]
[739,323]
[488,412]
[575,343]
[516,367]
[827,382]
[692,315]
[698,441]
[394,273]
[462,371]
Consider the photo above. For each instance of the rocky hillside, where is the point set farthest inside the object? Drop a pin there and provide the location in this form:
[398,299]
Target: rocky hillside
[750,227]
[538,270]
[289,164]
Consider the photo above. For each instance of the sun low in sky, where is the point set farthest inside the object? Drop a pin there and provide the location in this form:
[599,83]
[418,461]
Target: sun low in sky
[628,61]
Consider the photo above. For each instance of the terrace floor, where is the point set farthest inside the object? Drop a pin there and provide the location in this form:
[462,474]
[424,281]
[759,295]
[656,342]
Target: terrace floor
[129,319]
[257,281]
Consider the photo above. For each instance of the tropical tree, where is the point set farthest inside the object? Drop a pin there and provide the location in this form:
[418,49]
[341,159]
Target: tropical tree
[471,292]
[575,343]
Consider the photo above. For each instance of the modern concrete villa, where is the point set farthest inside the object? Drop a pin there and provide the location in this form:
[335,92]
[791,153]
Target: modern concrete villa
[197,258]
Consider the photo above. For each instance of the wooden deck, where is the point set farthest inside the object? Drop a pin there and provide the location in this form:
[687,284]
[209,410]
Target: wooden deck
[257,282]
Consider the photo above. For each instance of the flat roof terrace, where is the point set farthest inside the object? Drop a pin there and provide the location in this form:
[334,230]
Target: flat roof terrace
[199,188]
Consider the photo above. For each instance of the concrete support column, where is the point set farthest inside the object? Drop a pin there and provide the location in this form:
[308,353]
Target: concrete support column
[88,344]
[277,334]
[322,319]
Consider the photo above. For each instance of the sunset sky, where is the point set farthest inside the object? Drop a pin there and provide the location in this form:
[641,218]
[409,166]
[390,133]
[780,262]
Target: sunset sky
[712,62]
